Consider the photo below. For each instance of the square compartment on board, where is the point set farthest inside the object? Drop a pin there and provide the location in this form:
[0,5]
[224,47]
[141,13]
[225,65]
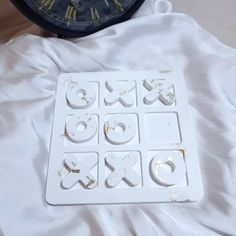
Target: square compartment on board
[116,162]
[121,129]
[162,128]
[158,92]
[167,168]
[86,126]
[83,167]
[123,90]
[82,93]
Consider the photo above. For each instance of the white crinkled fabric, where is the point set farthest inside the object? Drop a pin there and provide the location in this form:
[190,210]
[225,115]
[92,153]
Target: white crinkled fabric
[29,69]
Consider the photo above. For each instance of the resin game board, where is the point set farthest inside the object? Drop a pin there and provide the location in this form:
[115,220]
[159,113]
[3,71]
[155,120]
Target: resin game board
[122,137]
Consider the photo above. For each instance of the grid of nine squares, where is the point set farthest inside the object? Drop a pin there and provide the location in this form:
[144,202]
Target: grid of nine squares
[139,110]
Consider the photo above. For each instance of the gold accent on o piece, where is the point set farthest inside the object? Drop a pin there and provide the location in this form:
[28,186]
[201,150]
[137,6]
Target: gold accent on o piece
[108,127]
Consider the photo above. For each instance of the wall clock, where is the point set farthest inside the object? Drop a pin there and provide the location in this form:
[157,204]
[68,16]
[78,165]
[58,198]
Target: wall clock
[76,18]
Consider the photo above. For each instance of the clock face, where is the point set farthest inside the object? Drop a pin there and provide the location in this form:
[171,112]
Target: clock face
[77,17]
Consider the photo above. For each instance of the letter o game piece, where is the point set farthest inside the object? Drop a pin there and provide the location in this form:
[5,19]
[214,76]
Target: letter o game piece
[81,96]
[119,130]
[175,161]
[81,128]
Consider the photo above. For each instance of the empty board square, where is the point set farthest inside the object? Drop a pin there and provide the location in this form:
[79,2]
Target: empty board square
[162,128]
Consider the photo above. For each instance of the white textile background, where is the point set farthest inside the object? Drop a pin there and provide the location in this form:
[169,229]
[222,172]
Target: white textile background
[29,69]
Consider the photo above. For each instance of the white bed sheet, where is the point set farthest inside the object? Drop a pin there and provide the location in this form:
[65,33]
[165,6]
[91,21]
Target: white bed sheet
[29,69]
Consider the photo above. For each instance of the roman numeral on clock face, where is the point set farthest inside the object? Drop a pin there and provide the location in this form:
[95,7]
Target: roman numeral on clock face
[71,13]
[119,5]
[94,13]
[77,18]
[107,3]
[48,3]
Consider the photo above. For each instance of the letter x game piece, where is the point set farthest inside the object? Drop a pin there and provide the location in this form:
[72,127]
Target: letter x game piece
[79,171]
[159,90]
[120,92]
[122,169]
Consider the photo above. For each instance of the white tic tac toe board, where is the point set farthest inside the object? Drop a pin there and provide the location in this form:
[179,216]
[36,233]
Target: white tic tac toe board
[122,137]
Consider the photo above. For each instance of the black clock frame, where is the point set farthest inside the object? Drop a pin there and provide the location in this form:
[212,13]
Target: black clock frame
[32,16]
